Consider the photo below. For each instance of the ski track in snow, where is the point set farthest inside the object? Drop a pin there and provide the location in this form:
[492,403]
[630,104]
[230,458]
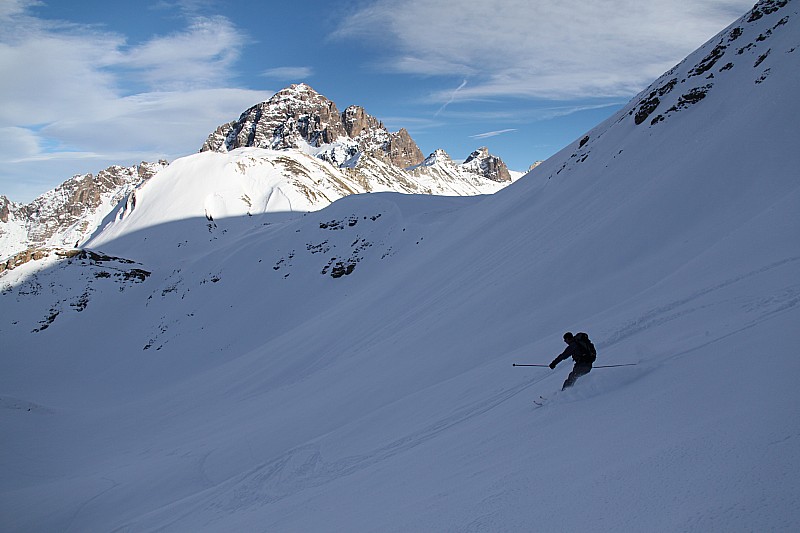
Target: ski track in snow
[786,299]
[305,467]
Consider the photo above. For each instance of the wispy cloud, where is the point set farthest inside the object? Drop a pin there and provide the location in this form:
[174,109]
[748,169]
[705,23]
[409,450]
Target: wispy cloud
[491,133]
[288,73]
[550,50]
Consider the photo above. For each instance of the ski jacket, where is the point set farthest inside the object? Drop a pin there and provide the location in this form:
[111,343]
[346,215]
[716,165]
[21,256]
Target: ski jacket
[575,351]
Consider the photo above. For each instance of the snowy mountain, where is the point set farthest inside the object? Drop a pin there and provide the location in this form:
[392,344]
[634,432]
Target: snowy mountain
[350,369]
[68,214]
[309,156]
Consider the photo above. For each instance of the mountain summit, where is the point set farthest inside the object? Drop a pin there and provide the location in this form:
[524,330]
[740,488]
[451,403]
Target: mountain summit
[301,118]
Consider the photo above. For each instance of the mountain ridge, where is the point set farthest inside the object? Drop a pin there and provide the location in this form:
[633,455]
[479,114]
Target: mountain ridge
[298,117]
[296,122]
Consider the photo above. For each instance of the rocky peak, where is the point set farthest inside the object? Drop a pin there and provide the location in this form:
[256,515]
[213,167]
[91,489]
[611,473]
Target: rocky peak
[293,114]
[357,121]
[402,151]
[438,156]
[487,165]
[299,114]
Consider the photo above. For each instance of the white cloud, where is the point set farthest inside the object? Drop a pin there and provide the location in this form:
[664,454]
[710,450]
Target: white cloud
[78,93]
[64,72]
[541,49]
[199,56]
[162,122]
[288,73]
[18,143]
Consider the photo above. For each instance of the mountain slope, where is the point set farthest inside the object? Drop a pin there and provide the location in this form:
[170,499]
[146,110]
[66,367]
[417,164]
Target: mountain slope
[244,386]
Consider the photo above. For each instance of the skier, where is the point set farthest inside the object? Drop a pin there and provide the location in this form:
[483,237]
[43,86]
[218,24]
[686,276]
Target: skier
[582,352]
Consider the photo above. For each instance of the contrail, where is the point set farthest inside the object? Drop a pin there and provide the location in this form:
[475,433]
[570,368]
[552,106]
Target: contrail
[452,98]
[491,133]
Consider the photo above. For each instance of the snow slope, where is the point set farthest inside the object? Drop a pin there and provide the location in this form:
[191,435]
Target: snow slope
[244,380]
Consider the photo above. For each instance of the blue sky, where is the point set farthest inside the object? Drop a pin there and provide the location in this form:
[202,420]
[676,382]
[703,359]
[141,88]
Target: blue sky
[90,83]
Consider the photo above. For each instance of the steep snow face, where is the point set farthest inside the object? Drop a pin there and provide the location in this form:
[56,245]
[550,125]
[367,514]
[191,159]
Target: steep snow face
[362,353]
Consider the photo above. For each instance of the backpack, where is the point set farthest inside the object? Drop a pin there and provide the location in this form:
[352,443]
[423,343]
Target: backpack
[589,353]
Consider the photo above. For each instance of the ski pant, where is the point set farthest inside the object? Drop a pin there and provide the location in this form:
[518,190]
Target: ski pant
[577,371]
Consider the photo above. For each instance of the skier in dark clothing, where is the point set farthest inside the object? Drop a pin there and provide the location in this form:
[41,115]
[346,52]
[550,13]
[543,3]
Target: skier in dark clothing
[583,359]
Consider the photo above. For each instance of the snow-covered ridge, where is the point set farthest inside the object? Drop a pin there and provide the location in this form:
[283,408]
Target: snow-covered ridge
[212,186]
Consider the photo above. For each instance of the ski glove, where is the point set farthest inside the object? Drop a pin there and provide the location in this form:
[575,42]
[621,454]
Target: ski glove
[553,365]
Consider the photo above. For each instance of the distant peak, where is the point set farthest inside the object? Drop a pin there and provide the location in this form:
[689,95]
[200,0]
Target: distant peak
[298,87]
[438,156]
[480,153]
[488,165]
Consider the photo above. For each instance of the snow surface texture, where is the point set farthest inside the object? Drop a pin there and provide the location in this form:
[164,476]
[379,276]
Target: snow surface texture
[240,385]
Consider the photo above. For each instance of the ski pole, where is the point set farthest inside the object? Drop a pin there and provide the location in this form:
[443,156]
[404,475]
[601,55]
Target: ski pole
[598,366]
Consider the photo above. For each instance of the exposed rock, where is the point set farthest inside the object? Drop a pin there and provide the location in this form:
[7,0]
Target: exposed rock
[291,115]
[439,156]
[299,114]
[366,157]
[402,151]
[765,7]
[21,258]
[357,121]
[487,165]
[5,209]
